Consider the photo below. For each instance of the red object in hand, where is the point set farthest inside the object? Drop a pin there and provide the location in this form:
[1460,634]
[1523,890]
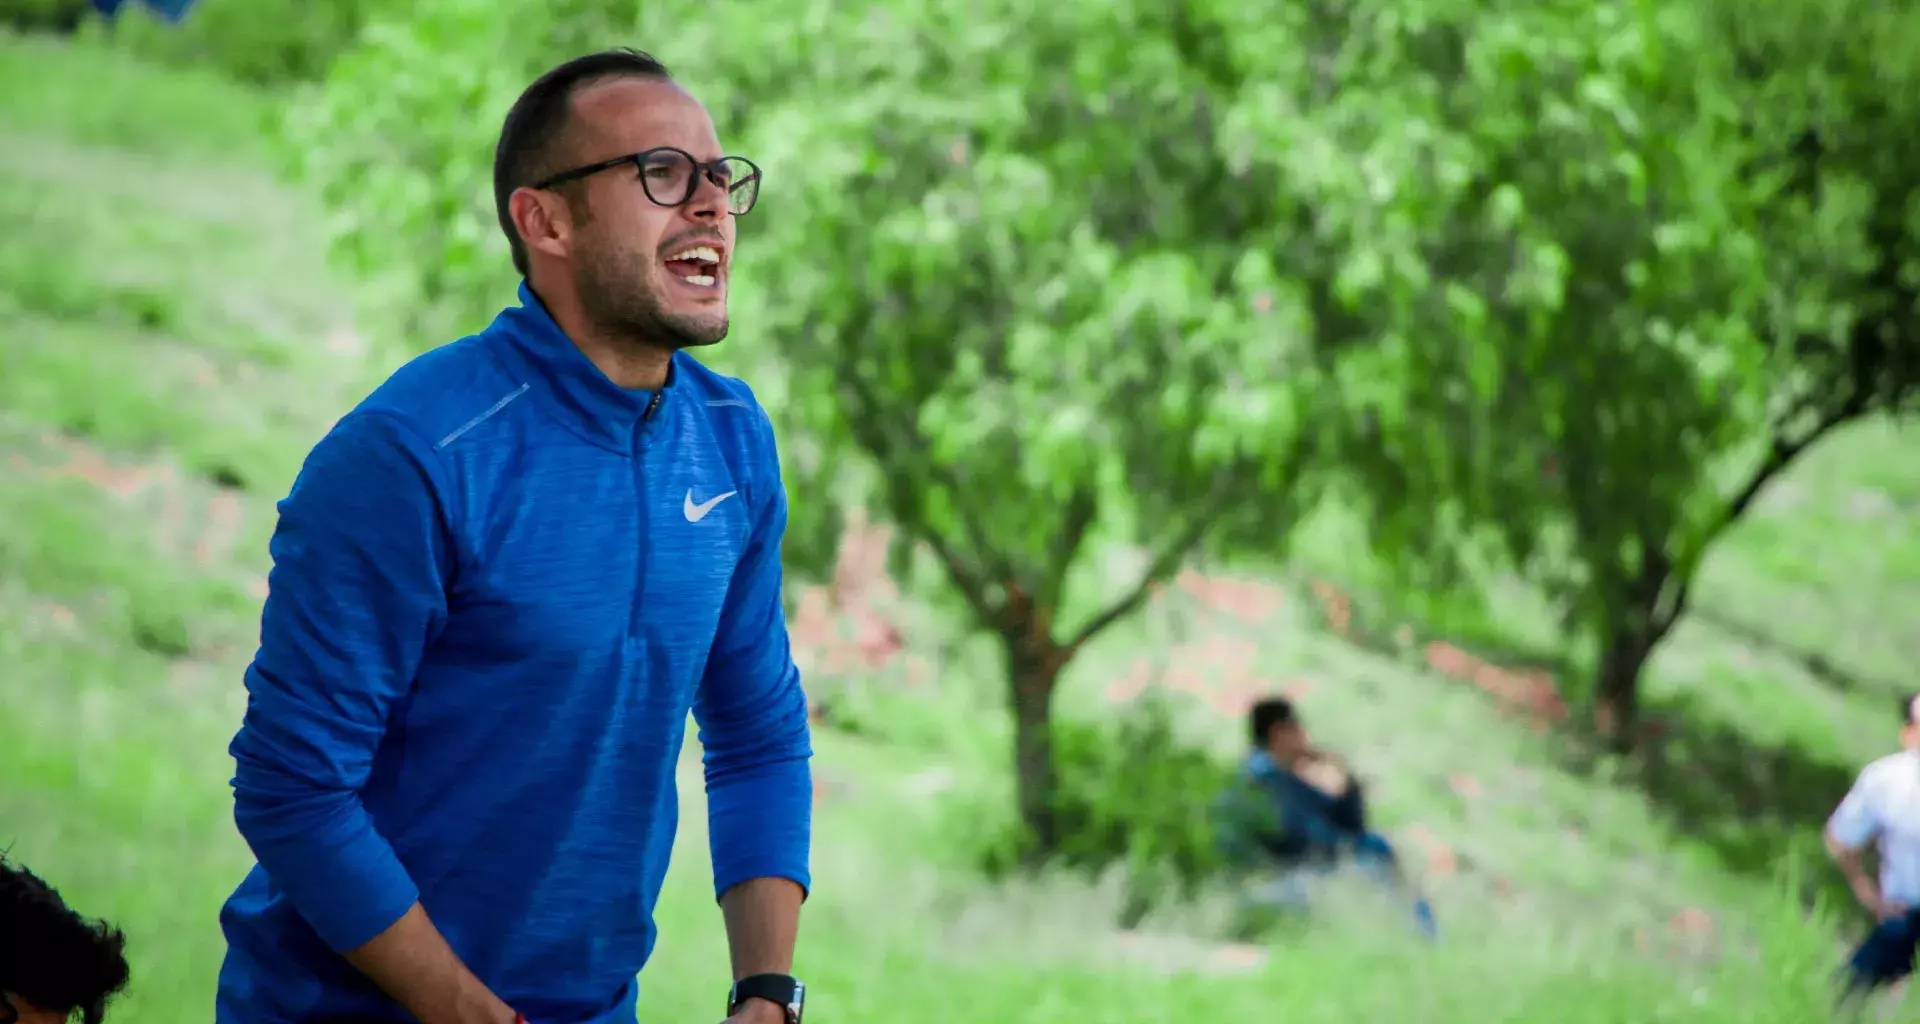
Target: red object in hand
[519,1018]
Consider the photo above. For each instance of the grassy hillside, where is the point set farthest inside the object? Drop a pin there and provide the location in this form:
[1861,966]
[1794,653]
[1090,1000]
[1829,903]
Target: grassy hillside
[174,341]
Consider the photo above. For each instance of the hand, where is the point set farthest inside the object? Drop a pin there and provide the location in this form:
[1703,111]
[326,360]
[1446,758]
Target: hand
[1326,775]
[1869,896]
[758,1011]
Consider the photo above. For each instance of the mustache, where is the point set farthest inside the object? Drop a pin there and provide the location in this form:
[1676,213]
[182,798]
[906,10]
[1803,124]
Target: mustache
[694,238]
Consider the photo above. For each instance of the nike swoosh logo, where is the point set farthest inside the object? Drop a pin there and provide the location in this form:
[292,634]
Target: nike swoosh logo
[695,513]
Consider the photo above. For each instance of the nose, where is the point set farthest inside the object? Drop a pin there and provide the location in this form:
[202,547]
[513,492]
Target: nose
[709,202]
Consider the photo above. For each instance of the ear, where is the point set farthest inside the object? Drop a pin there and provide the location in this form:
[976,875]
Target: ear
[544,221]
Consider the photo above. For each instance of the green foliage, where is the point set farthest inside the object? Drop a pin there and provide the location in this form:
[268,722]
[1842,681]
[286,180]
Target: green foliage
[1627,289]
[1135,796]
[44,15]
[186,113]
[260,42]
[1575,243]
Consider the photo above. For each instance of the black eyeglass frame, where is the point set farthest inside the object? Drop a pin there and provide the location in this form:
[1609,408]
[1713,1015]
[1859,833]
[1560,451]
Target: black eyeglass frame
[709,170]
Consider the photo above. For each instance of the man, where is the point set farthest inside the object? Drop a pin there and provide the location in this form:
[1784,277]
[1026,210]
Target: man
[1297,808]
[499,585]
[54,964]
[1882,811]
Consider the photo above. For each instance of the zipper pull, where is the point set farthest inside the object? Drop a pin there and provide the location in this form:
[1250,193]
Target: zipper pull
[653,405]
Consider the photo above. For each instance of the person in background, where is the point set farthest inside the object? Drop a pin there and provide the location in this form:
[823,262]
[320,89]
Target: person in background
[171,10]
[1881,815]
[1295,808]
[55,966]
[499,585]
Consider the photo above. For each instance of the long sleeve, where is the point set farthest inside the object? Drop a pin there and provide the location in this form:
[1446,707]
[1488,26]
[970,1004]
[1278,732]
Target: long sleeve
[752,715]
[357,592]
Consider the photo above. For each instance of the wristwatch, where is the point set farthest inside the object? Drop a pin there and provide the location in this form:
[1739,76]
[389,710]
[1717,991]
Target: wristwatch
[779,989]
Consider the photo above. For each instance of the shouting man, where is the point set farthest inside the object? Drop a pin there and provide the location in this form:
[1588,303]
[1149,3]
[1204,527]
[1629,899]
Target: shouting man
[499,584]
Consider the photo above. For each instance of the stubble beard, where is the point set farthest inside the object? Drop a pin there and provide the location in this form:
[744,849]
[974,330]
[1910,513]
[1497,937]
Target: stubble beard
[617,295]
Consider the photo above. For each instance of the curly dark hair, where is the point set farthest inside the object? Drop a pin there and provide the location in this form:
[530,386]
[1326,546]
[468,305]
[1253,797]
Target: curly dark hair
[51,957]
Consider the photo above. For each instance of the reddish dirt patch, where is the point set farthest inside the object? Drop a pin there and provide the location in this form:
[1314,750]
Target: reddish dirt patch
[1466,787]
[1529,693]
[1240,956]
[1139,676]
[1439,857]
[1248,601]
[208,533]
[1691,921]
[1296,689]
[849,625]
[83,463]
[225,514]
[1337,606]
[852,625]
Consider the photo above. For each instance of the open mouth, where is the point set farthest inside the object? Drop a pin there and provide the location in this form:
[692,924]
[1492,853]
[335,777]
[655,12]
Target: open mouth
[697,265]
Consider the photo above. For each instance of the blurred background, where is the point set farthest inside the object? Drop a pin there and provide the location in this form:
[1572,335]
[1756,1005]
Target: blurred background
[1518,385]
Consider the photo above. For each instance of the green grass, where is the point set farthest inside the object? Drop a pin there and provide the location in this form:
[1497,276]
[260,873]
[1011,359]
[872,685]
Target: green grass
[166,364]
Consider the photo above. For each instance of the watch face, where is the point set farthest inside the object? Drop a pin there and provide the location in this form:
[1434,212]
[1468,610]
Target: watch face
[797,1008]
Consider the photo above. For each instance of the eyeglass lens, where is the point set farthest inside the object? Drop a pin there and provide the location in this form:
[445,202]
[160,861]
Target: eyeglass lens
[669,178]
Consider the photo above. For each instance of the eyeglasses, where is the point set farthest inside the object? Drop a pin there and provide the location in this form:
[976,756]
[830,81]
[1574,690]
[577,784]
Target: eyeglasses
[671,176]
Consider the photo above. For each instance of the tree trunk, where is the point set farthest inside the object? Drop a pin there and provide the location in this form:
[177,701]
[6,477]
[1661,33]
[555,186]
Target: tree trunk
[1617,690]
[1033,670]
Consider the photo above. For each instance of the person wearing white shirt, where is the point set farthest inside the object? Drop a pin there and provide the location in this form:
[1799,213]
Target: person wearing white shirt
[1881,814]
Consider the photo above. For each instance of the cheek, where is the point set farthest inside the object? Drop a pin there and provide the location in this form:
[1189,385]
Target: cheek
[639,223]
[624,223]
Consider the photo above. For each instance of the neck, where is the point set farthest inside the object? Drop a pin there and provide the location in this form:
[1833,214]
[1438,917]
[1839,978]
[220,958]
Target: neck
[628,362]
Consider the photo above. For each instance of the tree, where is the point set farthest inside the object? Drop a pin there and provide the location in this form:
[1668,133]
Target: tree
[1712,268]
[1045,282]
[1021,298]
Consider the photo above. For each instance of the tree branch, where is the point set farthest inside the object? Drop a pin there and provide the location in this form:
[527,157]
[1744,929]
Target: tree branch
[1082,509]
[1781,455]
[896,445]
[941,476]
[1163,564]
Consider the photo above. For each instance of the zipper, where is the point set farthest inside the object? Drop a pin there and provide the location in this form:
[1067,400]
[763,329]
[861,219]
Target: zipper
[640,560]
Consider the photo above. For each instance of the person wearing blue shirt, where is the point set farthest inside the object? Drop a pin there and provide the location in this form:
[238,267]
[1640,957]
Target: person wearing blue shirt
[499,585]
[172,10]
[1881,814]
[1295,809]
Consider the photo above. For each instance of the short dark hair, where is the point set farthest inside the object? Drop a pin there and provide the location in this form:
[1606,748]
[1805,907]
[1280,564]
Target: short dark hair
[1907,704]
[1267,715]
[538,122]
[52,957]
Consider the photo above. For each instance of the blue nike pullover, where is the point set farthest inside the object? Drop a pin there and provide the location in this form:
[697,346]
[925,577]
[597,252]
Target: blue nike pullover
[499,585]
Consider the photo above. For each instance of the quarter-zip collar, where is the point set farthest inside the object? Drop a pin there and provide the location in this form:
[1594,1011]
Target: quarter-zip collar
[585,400]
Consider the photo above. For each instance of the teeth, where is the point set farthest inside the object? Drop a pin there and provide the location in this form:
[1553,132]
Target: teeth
[703,280]
[702,252]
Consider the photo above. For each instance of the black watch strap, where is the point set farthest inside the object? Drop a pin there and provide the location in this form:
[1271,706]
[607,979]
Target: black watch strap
[782,990]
